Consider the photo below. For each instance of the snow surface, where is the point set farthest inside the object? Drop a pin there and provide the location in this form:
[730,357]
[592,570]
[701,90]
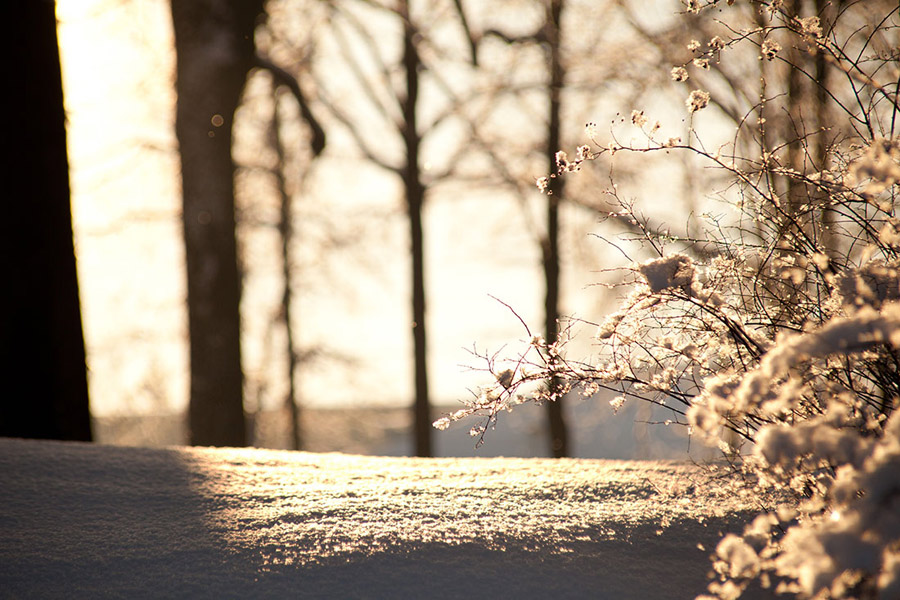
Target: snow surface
[82,520]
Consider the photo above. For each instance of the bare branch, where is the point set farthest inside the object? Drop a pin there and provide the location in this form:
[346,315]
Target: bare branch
[285,78]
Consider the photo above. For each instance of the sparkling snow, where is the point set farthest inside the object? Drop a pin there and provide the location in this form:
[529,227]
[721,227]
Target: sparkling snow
[82,520]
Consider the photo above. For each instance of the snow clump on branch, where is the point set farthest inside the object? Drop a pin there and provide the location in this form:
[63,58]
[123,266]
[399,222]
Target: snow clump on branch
[675,271]
[698,100]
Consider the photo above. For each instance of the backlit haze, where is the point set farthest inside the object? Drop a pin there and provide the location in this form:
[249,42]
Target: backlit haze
[118,70]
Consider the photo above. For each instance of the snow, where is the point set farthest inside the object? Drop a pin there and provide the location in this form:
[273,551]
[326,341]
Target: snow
[675,271]
[82,520]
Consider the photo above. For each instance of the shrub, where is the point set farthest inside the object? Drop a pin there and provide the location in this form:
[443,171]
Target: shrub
[773,332]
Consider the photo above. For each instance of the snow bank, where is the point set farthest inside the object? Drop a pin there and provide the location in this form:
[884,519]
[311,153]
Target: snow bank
[83,520]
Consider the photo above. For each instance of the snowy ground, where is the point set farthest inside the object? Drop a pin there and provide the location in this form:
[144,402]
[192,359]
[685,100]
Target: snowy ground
[90,521]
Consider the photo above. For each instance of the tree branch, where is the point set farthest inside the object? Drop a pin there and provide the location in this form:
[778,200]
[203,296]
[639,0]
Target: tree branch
[283,77]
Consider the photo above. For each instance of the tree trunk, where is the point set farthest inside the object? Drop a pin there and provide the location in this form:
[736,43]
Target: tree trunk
[559,442]
[45,393]
[215,50]
[286,233]
[415,197]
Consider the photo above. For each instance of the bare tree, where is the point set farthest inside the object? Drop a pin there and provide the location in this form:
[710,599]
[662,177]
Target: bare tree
[286,230]
[286,233]
[41,339]
[215,50]
[396,101]
[550,37]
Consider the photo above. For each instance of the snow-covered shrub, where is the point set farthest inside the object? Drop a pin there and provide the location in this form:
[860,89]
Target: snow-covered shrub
[773,332]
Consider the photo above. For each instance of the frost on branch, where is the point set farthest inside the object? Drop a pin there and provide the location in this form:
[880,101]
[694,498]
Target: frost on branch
[770,326]
[679,74]
[770,49]
[758,391]
[871,285]
[510,386]
[878,168]
[698,100]
[825,444]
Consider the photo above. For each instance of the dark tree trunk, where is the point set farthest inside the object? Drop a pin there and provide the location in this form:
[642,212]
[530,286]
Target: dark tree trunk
[559,442]
[215,50]
[45,392]
[415,197]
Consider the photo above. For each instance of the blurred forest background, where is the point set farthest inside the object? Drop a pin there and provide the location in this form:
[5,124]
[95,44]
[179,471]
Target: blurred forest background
[296,220]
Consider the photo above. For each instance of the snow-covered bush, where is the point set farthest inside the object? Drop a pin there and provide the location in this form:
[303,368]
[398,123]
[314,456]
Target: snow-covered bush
[775,331]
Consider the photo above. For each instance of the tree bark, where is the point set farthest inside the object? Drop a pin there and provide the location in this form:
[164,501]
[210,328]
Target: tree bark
[559,439]
[215,50]
[286,233]
[45,392]
[415,197]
